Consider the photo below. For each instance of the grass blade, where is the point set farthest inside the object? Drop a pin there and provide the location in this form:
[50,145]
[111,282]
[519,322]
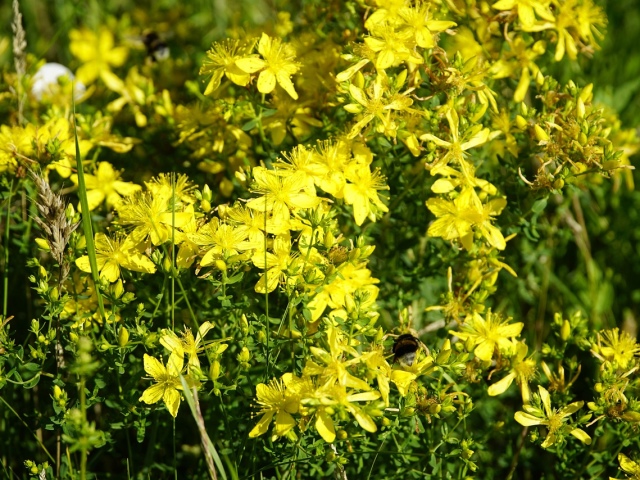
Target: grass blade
[86,216]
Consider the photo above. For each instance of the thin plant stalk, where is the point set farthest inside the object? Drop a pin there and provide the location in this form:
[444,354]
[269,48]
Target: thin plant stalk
[86,218]
[5,300]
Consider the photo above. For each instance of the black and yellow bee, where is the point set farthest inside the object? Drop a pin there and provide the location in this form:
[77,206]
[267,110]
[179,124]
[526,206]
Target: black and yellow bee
[157,48]
[405,348]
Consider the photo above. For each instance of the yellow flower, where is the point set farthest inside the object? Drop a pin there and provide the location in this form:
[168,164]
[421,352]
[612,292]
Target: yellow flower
[458,218]
[166,186]
[456,148]
[422,28]
[281,195]
[522,371]
[187,344]
[340,288]
[97,53]
[487,334]
[553,419]
[373,105]
[278,65]
[106,184]
[617,347]
[629,467]
[137,90]
[362,192]
[168,382]
[57,135]
[306,161]
[527,11]
[276,399]
[221,61]
[220,240]
[392,46]
[275,264]
[335,366]
[14,142]
[332,396]
[151,216]
[112,254]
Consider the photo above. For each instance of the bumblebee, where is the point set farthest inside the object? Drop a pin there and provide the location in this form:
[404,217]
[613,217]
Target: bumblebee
[405,348]
[157,48]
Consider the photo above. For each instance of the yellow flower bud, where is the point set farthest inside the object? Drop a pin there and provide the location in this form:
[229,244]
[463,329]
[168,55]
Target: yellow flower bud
[443,356]
[166,264]
[558,183]
[244,324]
[521,123]
[43,244]
[118,289]
[74,337]
[205,205]
[57,392]
[541,135]
[244,356]
[123,337]
[214,370]
[42,272]
[220,265]
[586,93]
[580,110]
[565,331]
[206,193]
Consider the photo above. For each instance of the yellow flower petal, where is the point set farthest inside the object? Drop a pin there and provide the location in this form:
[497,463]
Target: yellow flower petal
[325,427]
[262,426]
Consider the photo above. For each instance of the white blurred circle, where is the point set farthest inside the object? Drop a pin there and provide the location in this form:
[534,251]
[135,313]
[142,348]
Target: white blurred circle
[45,81]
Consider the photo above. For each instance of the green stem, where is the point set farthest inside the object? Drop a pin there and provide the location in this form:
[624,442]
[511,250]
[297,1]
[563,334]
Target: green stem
[86,219]
[5,300]
[27,427]
[83,448]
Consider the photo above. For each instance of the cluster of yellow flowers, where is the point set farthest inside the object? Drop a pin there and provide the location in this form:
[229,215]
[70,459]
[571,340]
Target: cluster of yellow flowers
[416,81]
